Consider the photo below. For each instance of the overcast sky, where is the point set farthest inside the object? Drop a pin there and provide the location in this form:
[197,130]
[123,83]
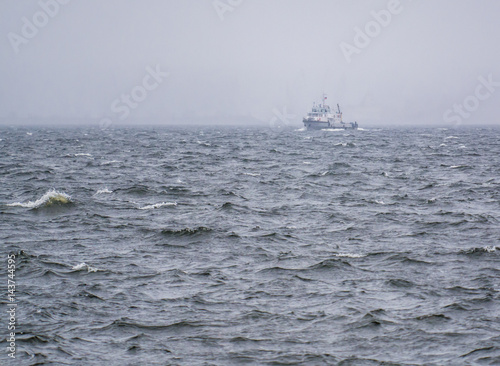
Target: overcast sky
[169,61]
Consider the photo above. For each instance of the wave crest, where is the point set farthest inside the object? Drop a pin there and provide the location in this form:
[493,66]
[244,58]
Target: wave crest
[483,250]
[186,231]
[50,198]
[84,266]
[158,205]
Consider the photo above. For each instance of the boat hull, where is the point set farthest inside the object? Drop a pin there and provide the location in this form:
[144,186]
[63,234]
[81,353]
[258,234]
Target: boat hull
[319,125]
[316,125]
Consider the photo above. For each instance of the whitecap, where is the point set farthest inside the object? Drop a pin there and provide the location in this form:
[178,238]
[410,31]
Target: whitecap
[451,137]
[84,266]
[48,199]
[301,129]
[83,154]
[29,133]
[252,174]
[105,190]
[158,205]
[306,162]
[349,255]
[109,162]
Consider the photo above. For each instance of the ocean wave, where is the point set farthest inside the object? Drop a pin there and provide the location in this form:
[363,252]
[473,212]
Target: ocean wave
[158,205]
[84,266]
[482,250]
[83,154]
[252,174]
[102,191]
[125,323]
[204,143]
[186,231]
[110,162]
[350,255]
[330,264]
[50,198]
[345,144]
[136,190]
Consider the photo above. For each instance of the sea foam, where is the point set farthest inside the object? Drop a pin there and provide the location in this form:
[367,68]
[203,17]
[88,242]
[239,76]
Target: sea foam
[350,255]
[50,198]
[84,266]
[158,205]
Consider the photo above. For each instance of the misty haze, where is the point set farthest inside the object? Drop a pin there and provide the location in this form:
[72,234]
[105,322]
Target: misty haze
[237,63]
[258,182]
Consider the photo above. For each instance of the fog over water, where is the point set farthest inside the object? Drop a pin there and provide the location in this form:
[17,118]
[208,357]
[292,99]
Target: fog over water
[247,61]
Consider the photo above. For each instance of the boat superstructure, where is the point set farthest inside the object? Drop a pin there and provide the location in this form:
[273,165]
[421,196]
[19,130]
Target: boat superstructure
[322,117]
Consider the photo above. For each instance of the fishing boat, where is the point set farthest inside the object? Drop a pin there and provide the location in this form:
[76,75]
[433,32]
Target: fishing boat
[323,117]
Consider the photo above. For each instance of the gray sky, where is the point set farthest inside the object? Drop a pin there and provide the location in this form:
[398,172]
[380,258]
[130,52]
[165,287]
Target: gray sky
[422,62]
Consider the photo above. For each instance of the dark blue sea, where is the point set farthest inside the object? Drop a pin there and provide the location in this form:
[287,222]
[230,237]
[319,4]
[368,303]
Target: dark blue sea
[251,246]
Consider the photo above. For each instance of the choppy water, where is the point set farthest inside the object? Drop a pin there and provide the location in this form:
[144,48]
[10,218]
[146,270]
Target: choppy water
[227,246]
